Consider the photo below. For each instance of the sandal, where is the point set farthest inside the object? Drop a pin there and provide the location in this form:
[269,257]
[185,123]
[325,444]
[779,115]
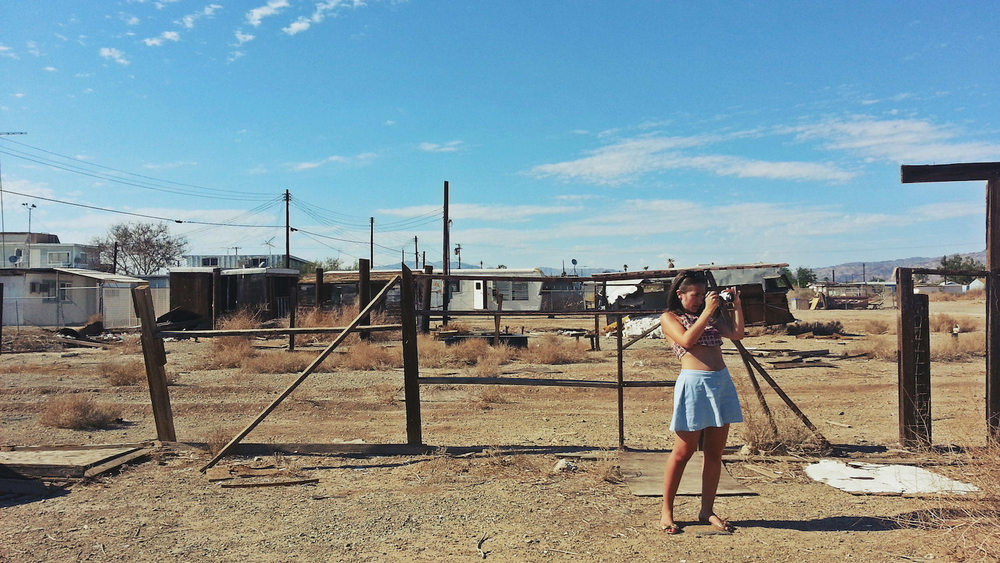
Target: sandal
[720,523]
[671,529]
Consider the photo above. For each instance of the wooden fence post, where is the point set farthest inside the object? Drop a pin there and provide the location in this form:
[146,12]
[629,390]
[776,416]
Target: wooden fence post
[993,310]
[411,371]
[318,290]
[155,358]
[619,329]
[913,363]
[1,318]
[425,300]
[364,292]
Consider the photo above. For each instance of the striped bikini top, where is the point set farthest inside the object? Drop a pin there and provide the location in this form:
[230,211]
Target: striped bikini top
[709,337]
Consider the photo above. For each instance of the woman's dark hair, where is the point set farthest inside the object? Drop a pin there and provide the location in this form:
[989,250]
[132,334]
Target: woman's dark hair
[682,282]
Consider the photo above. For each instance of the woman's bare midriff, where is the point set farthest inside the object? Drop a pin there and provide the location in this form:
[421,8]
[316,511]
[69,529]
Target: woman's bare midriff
[705,358]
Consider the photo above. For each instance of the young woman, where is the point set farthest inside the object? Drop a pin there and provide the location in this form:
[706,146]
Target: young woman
[705,400]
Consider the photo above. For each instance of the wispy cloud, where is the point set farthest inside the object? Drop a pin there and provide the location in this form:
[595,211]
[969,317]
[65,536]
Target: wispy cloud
[162,38]
[482,212]
[169,165]
[50,69]
[272,8]
[188,21]
[359,159]
[897,140]
[627,160]
[322,11]
[7,52]
[450,146]
[242,38]
[112,54]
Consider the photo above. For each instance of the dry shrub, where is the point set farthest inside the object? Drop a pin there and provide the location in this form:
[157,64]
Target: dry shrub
[967,524]
[486,367]
[217,439]
[458,326]
[469,350]
[552,350]
[364,356]
[876,348]
[122,372]
[974,294]
[943,322]
[277,361]
[131,344]
[230,352]
[78,412]
[875,326]
[489,396]
[431,353]
[757,433]
[385,394]
[607,469]
[819,328]
[964,347]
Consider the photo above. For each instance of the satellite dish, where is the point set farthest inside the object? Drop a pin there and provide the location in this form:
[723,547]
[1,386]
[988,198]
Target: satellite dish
[12,259]
[573,261]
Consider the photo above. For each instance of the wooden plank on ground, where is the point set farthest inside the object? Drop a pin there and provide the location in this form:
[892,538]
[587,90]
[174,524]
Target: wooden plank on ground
[282,483]
[59,463]
[643,474]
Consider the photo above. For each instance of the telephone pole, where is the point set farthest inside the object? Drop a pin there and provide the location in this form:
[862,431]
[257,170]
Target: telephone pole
[371,235]
[446,261]
[288,231]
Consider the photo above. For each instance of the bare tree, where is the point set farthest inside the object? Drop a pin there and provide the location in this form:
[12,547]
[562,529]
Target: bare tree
[143,248]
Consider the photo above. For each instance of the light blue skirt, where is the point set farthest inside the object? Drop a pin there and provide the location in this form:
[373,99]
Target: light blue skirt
[703,399]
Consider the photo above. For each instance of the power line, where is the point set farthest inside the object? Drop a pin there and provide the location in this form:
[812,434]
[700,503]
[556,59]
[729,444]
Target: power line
[143,215]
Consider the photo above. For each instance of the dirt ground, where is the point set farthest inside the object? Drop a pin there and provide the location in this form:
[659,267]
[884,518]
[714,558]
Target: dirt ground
[505,502]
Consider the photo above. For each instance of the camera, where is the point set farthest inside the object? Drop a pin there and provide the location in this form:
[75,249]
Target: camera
[726,296]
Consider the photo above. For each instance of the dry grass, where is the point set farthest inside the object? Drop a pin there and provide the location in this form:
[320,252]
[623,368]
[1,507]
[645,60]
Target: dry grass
[431,353]
[973,295]
[217,439]
[875,326]
[964,347]
[819,328]
[943,322]
[276,361]
[131,344]
[553,350]
[364,356]
[122,372]
[876,348]
[468,351]
[78,412]
[967,525]
[489,396]
[385,394]
[757,433]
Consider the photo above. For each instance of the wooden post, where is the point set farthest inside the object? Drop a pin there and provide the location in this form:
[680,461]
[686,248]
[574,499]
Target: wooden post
[155,358]
[756,389]
[302,377]
[619,329]
[496,320]
[1,317]
[597,333]
[216,292]
[411,371]
[425,300]
[913,363]
[364,292]
[293,309]
[318,290]
[784,397]
[993,310]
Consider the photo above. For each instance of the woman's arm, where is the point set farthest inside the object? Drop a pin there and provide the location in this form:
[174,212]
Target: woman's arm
[688,337]
[733,328]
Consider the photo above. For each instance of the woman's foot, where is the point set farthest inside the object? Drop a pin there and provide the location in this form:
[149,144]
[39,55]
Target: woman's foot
[717,522]
[670,529]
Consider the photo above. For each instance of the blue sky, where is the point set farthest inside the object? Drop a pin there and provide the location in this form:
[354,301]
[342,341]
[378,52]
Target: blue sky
[612,133]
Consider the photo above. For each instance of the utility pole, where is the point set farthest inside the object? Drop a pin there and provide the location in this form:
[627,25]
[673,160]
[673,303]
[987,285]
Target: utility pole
[371,236]
[3,226]
[416,253]
[288,231]
[30,208]
[446,260]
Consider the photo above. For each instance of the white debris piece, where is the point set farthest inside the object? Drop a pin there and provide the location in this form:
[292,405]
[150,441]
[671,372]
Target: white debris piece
[857,477]
[638,325]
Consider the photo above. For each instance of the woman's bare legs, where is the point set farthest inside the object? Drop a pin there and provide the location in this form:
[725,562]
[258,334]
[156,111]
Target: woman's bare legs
[684,447]
[714,444]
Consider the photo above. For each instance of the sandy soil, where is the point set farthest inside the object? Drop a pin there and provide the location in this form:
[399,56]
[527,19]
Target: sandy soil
[441,506]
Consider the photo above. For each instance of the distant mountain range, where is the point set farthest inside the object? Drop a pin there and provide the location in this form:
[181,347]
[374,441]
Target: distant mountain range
[860,271]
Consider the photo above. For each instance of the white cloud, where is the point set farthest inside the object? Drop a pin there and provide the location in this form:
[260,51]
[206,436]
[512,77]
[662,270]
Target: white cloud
[358,159]
[487,212]
[163,37]
[272,8]
[189,20]
[19,94]
[897,140]
[322,11]
[50,69]
[450,146]
[169,165]
[627,160]
[113,54]
[389,123]
[242,38]
[7,52]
